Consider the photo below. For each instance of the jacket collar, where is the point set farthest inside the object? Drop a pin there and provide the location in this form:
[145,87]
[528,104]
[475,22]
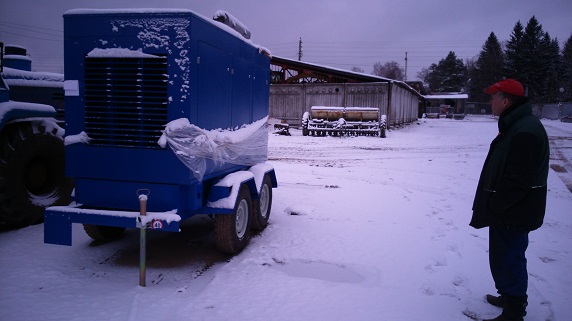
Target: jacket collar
[512,115]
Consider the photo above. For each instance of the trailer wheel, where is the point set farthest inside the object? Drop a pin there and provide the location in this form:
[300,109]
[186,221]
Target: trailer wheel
[31,174]
[232,231]
[103,233]
[261,207]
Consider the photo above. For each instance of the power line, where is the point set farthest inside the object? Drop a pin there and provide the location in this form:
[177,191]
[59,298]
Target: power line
[32,32]
[32,37]
[29,26]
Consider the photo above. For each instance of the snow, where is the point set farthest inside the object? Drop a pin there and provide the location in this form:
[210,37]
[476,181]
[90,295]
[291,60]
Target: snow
[231,21]
[118,53]
[232,180]
[447,96]
[361,228]
[16,77]
[17,57]
[8,106]
[169,217]
[79,138]
[172,22]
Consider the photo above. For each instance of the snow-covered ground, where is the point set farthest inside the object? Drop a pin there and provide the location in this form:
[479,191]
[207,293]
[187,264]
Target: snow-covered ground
[362,228]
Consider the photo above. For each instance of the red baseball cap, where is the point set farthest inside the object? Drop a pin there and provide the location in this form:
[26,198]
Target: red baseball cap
[509,86]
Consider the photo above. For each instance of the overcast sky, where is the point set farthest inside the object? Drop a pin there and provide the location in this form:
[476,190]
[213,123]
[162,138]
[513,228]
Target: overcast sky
[337,33]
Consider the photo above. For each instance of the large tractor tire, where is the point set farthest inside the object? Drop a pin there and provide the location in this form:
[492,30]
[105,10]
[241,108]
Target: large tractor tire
[32,174]
[262,206]
[232,231]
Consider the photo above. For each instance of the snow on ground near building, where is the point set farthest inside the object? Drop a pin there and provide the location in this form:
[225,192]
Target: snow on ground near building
[362,228]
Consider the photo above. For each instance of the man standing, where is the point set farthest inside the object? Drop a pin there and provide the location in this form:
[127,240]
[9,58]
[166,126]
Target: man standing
[511,194]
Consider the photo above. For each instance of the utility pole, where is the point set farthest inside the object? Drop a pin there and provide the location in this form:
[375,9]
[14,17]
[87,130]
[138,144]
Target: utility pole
[300,50]
[405,66]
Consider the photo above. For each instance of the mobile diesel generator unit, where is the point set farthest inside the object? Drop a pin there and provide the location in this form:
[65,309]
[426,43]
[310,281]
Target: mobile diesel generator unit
[166,114]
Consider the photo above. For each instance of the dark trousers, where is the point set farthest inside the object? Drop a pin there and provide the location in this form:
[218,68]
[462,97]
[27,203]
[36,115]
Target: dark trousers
[507,260]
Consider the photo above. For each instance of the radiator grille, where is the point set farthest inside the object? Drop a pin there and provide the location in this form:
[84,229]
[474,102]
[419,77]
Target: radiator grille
[125,101]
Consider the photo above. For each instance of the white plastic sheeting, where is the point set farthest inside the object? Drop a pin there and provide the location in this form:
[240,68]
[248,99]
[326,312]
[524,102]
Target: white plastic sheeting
[247,145]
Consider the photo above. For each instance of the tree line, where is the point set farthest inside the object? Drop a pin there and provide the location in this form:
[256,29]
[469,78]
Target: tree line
[530,56]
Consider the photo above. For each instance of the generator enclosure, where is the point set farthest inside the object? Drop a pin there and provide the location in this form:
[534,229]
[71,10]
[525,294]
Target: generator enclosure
[128,73]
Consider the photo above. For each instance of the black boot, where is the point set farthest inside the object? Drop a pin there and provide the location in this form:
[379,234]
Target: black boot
[514,309]
[497,301]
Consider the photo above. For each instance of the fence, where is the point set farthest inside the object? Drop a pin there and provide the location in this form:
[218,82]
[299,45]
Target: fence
[553,111]
[476,108]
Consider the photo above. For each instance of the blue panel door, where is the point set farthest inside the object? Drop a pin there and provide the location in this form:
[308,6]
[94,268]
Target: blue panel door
[242,92]
[214,88]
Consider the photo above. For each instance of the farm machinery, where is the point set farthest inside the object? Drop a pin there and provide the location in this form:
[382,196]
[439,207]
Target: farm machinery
[31,141]
[340,121]
[166,114]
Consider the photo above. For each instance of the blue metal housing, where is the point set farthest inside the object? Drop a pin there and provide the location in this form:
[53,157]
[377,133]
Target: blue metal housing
[189,67]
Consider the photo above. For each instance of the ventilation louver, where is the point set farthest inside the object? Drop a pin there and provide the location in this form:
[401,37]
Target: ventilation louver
[125,101]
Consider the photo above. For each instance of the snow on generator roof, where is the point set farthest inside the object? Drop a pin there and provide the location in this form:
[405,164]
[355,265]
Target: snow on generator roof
[221,19]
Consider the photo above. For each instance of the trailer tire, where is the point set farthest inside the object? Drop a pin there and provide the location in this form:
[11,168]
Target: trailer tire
[232,231]
[262,206]
[103,233]
[32,175]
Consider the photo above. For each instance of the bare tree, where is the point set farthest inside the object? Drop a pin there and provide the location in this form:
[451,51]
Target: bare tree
[357,69]
[390,70]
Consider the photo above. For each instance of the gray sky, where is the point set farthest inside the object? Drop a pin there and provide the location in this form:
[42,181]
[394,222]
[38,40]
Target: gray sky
[337,33]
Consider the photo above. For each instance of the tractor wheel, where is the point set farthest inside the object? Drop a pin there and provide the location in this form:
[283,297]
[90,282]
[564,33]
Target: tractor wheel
[232,231]
[103,233]
[261,207]
[31,174]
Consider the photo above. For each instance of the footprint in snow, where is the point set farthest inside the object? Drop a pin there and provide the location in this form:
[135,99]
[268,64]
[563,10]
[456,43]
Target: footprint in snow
[299,210]
[546,259]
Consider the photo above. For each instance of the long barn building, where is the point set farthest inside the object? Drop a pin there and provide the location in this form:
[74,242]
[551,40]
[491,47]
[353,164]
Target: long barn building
[297,86]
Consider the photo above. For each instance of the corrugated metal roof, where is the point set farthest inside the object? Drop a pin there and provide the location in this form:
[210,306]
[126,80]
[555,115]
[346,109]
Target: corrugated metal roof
[356,76]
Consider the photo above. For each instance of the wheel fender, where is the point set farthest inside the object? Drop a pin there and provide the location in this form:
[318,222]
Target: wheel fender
[261,170]
[16,110]
[224,193]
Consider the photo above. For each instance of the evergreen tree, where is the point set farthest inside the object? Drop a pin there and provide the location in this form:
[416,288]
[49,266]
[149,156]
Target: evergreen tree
[567,71]
[536,45]
[489,68]
[514,64]
[554,71]
[528,54]
[431,78]
[449,75]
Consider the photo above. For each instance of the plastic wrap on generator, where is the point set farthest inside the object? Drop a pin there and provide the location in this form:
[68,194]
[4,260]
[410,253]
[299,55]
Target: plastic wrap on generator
[193,145]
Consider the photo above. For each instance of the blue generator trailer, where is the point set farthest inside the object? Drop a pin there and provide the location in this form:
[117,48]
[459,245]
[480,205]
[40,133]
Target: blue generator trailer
[166,118]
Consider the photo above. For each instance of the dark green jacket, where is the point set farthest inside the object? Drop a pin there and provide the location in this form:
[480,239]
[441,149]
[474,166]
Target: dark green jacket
[512,187]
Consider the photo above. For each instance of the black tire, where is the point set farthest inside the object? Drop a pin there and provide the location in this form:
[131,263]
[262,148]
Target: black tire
[103,233]
[262,206]
[232,231]
[32,174]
